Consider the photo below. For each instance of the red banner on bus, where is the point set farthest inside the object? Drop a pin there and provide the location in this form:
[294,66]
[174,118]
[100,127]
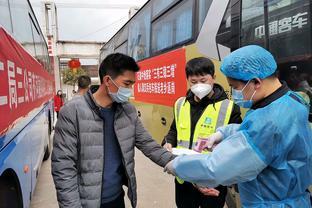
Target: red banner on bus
[24,84]
[161,79]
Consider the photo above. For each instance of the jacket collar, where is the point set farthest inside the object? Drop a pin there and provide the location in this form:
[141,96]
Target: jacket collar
[97,108]
[280,92]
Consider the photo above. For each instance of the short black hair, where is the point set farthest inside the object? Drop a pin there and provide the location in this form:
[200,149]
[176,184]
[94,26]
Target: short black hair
[84,82]
[116,64]
[199,66]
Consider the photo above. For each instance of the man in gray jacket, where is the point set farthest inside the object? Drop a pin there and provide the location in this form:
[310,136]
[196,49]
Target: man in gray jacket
[94,142]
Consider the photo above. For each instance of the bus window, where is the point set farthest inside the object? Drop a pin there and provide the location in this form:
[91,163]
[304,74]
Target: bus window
[107,49]
[226,21]
[289,38]
[289,29]
[5,18]
[38,43]
[45,57]
[122,48]
[224,36]
[252,23]
[202,11]
[21,27]
[121,37]
[175,27]
[278,4]
[298,77]
[139,35]
[161,5]
[228,34]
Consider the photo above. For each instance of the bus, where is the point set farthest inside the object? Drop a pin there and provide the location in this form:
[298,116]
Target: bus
[26,105]
[164,34]
[281,26]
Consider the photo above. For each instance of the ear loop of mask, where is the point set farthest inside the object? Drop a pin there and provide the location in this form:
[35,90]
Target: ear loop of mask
[253,95]
[246,86]
[113,83]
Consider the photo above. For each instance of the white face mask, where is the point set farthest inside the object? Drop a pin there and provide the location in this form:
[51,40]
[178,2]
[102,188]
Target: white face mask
[201,90]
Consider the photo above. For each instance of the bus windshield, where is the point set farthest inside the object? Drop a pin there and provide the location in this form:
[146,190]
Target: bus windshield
[288,24]
[289,38]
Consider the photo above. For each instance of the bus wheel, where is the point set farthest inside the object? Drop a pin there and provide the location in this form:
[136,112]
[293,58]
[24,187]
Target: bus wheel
[50,124]
[47,150]
[10,196]
[47,153]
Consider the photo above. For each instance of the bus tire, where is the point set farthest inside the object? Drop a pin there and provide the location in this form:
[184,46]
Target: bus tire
[47,150]
[50,124]
[10,194]
[46,153]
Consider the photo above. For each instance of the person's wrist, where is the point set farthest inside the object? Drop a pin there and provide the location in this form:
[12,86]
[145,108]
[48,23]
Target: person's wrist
[219,136]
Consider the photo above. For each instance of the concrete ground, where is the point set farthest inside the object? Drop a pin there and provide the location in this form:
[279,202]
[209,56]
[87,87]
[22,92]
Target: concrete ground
[155,188]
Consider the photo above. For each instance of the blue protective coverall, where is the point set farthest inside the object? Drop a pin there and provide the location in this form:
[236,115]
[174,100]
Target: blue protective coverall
[269,156]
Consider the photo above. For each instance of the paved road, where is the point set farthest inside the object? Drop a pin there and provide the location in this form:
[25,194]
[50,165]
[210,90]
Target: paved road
[44,195]
[155,188]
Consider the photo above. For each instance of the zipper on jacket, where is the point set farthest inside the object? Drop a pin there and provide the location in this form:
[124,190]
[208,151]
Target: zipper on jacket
[192,133]
[124,163]
[103,161]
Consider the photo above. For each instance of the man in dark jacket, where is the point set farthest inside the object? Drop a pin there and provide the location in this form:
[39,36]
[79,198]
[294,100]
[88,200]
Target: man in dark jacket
[205,108]
[95,138]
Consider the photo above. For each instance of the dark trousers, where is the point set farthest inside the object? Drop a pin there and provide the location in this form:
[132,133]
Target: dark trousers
[187,196]
[117,203]
[57,114]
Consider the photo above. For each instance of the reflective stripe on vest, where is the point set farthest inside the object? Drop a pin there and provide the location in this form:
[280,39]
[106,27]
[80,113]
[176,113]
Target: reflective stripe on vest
[213,117]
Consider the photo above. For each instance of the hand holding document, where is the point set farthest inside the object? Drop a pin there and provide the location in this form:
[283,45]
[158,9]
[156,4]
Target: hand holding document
[209,143]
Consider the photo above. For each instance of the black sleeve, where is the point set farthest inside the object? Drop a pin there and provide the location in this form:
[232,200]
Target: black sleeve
[171,137]
[235,115]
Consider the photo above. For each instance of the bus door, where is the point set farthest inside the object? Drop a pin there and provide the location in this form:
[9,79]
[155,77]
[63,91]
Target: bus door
[281,26]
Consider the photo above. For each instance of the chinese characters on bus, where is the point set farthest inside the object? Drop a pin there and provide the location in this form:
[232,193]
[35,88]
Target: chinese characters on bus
[284,25]
[157,74]
[23,86]
[161,79]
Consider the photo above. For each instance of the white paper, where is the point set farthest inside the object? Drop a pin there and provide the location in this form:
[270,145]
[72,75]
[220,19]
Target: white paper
[177,151]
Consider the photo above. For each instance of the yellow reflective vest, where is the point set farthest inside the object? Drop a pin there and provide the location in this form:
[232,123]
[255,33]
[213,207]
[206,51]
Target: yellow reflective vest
[213,117]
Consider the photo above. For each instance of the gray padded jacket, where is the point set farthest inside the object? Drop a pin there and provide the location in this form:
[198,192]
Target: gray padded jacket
[77,157]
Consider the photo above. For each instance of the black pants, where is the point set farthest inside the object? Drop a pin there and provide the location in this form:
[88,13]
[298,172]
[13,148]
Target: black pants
[117,203]
[57,114]
[187,196]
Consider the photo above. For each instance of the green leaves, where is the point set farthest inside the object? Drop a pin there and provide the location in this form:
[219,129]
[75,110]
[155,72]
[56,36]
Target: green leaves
[70,76]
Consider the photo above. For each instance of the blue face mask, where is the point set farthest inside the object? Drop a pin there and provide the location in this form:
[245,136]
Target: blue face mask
[238,97]
[122,95]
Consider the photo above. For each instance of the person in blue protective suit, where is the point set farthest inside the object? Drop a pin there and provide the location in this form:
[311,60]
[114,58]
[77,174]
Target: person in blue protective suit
[269,155]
